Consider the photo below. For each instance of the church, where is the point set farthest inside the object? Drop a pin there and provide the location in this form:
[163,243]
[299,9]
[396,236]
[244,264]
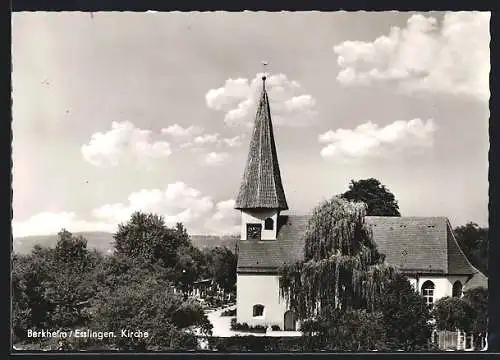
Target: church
[423,248]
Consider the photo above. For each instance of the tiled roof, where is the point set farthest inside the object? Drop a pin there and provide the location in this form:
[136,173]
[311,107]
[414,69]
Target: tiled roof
[457,261]
[414,244]
[477,280]
[267,255]
[261,186]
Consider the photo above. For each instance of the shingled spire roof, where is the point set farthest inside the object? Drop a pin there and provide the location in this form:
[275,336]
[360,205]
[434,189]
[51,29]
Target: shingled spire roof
[261,187]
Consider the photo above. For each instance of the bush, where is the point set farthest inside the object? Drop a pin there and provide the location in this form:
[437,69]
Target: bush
[257,344]
[350,330]
[214,301]
[275,328]
[246,328]
[477,298]
[405,316]
[259,328]
[274,344]
[136,298]
[452,314]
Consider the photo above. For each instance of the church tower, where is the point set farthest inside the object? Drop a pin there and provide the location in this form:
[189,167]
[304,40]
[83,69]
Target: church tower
[261,197]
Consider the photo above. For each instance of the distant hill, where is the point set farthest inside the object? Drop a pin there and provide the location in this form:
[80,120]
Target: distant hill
[103,241]
[211,241]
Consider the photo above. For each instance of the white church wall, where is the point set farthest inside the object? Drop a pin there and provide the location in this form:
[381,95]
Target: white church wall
[264,290]
[413,282]
[259,217]
[453,278]
[443,285]
[259,290]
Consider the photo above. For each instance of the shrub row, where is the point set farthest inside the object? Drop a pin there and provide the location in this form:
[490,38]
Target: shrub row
[246,328]
[261,344]
[284,344]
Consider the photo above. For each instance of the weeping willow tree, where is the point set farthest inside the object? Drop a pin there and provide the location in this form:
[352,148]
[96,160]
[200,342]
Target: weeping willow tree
[342,269]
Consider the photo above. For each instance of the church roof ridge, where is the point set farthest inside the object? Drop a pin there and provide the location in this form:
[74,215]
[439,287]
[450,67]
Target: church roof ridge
[412,243]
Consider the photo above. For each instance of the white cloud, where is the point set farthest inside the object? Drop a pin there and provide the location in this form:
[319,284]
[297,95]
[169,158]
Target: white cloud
[206,139]
[178,131]
[47,223]
[238,100]
[370,140]
[225,209]
[225,220]
[177,203]
[234,141]
[215,158]
[201,140]
[124,142]
[452,58]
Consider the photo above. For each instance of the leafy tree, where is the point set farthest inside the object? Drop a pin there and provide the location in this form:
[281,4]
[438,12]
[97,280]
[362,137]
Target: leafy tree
[30,308]
[137,296]
[453,314]
[202,260]
[187,269]
[380,201]
[469,313]
[222,265]
[473,240]
[344,279]
[52,288]
[348,330]
[71,251]
[146,238]
[405,316]
[70,286]
[477,299]
[342,267]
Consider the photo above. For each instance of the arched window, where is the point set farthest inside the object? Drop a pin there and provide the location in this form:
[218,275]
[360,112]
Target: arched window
[457,289]
[428,293]
[268,224]
[258,310]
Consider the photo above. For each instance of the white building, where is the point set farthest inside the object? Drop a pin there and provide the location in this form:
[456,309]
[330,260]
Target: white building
[424,248]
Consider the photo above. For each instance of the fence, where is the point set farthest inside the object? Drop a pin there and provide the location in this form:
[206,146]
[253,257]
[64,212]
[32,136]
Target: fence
[457,340]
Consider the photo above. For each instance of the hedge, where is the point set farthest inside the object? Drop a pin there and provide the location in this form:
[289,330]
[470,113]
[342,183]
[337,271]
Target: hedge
[247,328]
[237,344]
[263,344]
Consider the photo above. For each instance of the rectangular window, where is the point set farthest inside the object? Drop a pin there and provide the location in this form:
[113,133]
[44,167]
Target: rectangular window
[254,231]
[258,310]
[428,295]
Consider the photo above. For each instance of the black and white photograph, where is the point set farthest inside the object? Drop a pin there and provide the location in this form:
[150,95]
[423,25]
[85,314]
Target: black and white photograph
[250,181]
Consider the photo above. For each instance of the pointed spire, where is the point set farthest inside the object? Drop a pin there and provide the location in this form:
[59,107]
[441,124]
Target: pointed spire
[261,187]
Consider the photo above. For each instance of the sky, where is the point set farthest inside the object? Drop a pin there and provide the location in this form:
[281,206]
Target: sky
[115,112]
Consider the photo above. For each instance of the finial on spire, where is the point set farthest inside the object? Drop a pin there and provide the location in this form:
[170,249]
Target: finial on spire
[264,64]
